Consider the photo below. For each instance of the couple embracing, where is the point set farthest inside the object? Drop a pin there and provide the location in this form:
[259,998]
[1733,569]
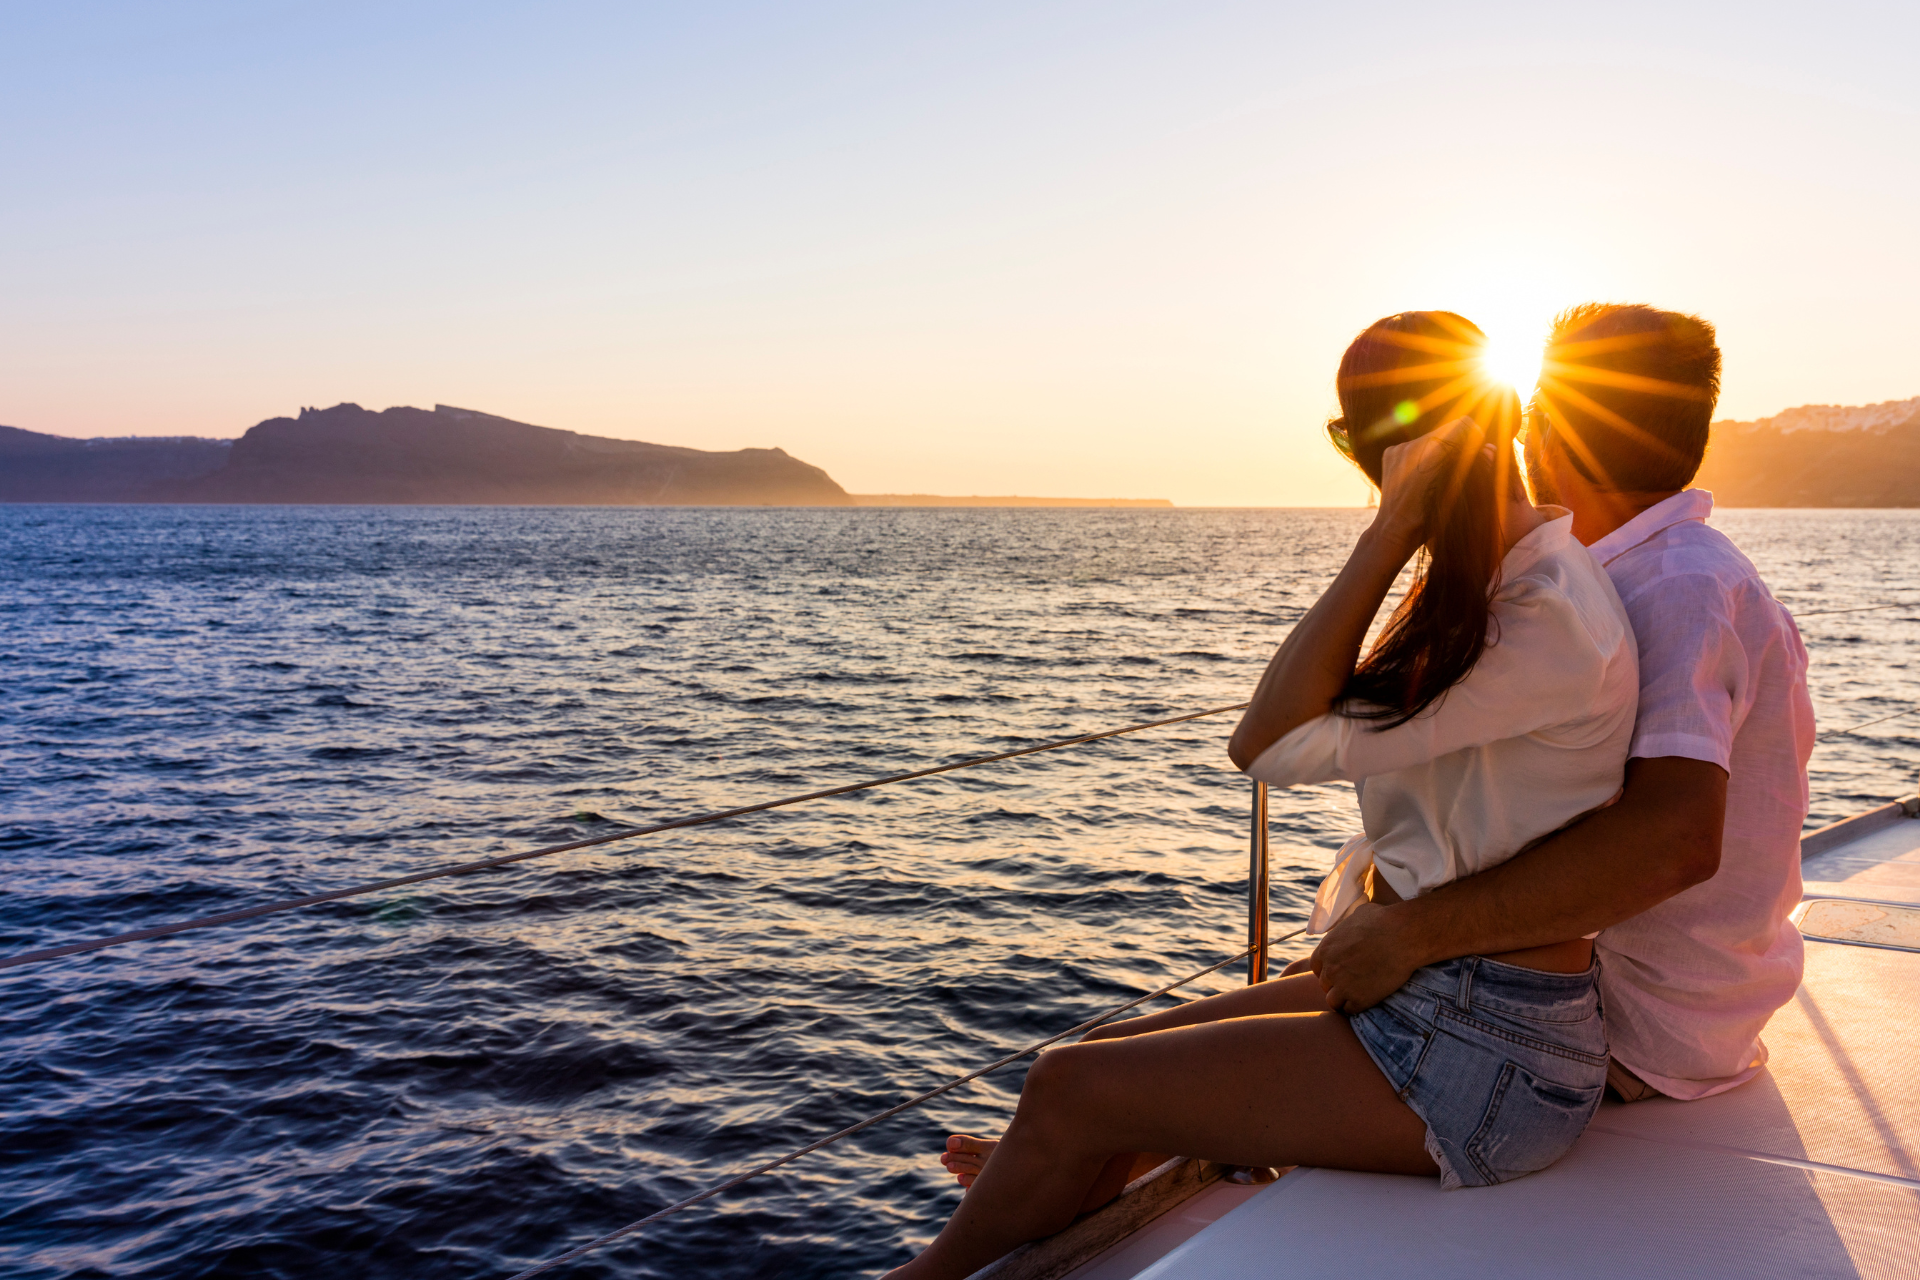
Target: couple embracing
[1579,745]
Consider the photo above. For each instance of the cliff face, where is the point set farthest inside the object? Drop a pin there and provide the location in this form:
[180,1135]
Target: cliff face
[43,468]
[347,454]
[1818,456]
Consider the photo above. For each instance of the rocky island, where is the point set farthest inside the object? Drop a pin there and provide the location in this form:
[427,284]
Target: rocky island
[347,454]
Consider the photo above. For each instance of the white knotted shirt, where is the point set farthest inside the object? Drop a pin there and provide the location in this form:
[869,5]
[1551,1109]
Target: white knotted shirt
[1534,737]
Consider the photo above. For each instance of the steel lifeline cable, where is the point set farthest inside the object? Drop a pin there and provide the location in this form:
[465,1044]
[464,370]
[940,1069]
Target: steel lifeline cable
[632,833]
[719,1187]
[1828,734]
[1843,733]
[1859,608]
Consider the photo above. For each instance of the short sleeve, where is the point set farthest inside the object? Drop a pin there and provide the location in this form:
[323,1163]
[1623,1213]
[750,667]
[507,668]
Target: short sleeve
[1694,674]
[1544,668]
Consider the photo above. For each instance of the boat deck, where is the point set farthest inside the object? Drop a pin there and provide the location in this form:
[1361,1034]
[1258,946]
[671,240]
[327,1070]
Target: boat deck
[1811,1169]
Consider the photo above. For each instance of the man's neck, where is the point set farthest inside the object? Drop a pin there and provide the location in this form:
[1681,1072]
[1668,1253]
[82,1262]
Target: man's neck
[1598,512]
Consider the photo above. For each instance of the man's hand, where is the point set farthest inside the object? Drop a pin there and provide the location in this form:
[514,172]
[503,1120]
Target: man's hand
[1363,959]
[1661,839]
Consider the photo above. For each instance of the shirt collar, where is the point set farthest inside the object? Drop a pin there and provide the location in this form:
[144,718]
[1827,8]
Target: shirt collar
[1688,504]
[1542,542]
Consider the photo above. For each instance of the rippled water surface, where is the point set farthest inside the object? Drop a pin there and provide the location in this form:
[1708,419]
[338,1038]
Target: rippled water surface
[208,708]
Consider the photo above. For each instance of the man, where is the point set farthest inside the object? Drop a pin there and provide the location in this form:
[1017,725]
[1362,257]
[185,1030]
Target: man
[1690,875]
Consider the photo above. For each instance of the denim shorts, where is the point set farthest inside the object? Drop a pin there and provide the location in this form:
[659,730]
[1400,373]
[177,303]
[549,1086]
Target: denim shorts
[1506,1065]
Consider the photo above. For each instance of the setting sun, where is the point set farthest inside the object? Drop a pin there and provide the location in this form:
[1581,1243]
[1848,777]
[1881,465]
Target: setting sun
[1513,359]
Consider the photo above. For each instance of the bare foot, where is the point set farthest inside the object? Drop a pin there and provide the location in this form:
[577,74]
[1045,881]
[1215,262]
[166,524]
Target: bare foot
[965,1156]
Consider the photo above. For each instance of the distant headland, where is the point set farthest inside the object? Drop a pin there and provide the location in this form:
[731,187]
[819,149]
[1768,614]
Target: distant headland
[1818,455]
[347,454]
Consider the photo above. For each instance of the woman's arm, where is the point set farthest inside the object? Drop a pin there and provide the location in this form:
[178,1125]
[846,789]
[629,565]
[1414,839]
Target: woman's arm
[1318,656]
[1316,659]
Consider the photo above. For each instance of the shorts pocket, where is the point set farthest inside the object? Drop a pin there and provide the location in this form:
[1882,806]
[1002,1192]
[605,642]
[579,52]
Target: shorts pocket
[1531,1122]
[1394,1042]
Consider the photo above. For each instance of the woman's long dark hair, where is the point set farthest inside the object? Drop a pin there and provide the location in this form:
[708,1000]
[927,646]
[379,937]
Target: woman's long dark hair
[1401,378]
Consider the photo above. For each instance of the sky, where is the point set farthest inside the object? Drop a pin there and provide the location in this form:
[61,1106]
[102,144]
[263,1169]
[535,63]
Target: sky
[1048,248]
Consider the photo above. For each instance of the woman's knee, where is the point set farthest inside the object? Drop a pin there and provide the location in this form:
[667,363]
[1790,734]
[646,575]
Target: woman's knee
[1054,1101]
[1055,1081]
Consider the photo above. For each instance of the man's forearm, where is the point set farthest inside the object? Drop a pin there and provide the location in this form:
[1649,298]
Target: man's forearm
[1661,838]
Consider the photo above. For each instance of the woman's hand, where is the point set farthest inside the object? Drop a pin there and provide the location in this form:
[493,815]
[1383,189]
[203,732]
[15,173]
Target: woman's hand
[1407,473]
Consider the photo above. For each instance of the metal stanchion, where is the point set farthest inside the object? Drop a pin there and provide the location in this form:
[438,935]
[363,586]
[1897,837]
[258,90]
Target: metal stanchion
[1256,1175]
[1257,889]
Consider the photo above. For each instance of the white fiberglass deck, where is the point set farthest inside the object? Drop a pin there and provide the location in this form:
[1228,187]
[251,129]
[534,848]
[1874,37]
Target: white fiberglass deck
[1811,1169]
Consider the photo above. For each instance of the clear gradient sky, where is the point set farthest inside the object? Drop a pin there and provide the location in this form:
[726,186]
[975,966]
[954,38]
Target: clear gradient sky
[1058,248]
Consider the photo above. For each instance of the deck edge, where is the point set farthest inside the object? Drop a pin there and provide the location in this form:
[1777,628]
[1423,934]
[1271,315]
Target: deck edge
[1835,834]
[1147,1197]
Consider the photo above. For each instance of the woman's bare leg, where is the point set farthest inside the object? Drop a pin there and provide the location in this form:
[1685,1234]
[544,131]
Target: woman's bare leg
[966,1155]
[1272,1089]
[1301,993]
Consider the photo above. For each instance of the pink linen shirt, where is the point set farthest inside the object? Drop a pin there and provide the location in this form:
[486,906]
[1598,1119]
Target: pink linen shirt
[1688,985]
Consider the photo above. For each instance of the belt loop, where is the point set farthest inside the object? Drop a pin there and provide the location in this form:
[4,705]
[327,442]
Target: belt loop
[1463,994]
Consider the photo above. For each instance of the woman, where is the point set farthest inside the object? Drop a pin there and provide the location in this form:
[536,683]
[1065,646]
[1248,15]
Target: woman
[1494,708]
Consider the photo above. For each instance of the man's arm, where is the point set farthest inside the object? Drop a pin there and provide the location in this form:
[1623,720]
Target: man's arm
[1662,836]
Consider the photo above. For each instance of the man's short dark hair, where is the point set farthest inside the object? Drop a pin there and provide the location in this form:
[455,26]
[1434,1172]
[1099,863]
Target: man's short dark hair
[1628,391]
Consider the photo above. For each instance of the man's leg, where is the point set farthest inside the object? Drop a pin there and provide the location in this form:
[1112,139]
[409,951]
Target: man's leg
[1276,1089]
[1627,1086]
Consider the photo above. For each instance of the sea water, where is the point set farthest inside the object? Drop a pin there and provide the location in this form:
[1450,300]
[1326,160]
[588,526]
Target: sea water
[207,708]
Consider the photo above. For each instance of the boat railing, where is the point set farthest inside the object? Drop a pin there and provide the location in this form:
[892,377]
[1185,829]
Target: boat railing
[1256,951]
[1259,867]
